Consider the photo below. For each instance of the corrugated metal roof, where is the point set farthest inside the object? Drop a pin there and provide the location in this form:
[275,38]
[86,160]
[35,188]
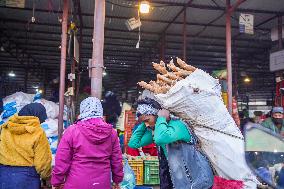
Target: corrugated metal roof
[121,56]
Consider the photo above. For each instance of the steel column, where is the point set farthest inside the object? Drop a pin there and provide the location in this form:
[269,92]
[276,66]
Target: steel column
[229,55]
[184,34]
[98,49]
[280,43]
[63,66]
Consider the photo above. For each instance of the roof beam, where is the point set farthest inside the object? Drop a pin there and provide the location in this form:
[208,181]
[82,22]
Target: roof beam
[219,8]
[143,32]
[144,19]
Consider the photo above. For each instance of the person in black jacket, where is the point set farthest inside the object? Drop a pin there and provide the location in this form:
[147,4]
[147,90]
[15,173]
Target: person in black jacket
[112,108]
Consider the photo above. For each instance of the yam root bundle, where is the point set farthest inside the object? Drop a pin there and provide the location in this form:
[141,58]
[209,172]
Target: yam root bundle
[168,76]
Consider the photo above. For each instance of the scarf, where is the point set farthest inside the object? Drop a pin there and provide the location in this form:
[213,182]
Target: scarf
[146,109]
[91,107]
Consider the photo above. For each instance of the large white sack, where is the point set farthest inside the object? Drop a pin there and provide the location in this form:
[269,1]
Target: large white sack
[50,127]
[197,100]
[20,98]
[52,109]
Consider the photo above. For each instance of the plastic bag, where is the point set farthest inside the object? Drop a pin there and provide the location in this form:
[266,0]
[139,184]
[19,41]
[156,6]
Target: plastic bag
[20,98]
[9,110]
[50,127]
[52,109]
[129,181]
[197,100]
[53,141]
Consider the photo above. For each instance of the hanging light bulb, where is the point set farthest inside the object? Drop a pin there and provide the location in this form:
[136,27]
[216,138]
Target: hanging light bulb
[104,73]
[144,7]
[12,74]
[247,80]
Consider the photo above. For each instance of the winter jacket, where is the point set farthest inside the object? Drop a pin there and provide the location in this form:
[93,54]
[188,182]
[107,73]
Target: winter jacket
[87,155]
[24,143]
[268,123]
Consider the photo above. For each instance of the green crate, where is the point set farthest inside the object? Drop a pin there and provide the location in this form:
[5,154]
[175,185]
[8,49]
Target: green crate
[151,172]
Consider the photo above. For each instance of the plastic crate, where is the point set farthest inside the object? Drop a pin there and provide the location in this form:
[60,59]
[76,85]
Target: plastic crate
[129,122]
[151,172]
[138,168]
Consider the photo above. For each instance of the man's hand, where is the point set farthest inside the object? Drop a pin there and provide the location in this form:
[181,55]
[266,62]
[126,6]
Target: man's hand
[164,113]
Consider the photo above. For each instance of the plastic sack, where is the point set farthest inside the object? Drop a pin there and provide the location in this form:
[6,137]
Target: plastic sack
[20,98]
[197,100]
[53,141]
[9,110]
[37,97]
[221,183]
[129,181]
[50,127]
[52,109]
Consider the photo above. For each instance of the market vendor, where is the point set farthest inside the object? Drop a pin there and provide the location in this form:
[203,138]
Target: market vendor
[275,123]
[25,155]
[177,152]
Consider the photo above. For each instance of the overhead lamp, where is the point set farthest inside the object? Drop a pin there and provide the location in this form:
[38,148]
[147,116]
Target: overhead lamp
[12,74]
[104,73]
[144,7]
[39,90]
[247,80]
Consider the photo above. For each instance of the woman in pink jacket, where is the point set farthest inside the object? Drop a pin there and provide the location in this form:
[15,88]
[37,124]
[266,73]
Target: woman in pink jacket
[89,152]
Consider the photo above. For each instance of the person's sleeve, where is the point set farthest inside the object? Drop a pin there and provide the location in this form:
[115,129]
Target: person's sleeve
[265,124]
[42,157]
[166,134]
[116,160]
[63,159]
[141,137]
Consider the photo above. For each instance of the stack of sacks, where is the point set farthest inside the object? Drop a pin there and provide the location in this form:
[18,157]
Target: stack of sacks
[50,125]
[13,104]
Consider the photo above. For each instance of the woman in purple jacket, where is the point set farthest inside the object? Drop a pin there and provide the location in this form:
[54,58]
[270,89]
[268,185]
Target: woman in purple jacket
[89,152]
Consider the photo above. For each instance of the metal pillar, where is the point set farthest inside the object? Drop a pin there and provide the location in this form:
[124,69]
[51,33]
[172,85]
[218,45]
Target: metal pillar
[280,43]
[229,55]
[63,66]
[236,63]
[98,49]
[184,34]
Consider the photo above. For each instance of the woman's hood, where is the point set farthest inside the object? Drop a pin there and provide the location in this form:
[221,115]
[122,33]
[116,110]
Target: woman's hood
[22,124]
[95,129]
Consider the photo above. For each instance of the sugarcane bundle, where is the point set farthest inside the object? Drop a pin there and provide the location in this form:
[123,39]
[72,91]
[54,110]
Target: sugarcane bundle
[167,79]
[195,96]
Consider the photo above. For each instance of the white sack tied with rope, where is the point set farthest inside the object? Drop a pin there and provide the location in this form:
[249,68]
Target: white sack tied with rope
[197,100]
